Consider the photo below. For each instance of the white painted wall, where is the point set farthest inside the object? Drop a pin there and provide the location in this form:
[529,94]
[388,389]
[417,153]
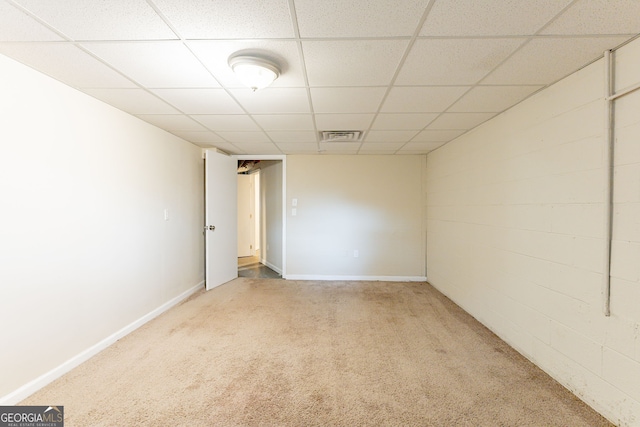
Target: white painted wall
[370,204]
[516,234]
[256,217]
[85,249]
[246,220]
[271,214]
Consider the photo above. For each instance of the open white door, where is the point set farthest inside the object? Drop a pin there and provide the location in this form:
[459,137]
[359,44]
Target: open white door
[221,207]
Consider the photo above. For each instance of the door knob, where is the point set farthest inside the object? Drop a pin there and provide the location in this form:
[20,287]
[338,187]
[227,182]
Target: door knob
[210,227]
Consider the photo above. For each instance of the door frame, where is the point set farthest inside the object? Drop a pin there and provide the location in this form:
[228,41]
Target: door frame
[282,158]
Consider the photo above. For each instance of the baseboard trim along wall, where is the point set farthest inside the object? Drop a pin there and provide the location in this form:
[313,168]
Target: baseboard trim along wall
[359,278]
[271,266]
[35,385]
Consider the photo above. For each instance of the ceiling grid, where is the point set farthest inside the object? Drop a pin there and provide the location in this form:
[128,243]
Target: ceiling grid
[410,75]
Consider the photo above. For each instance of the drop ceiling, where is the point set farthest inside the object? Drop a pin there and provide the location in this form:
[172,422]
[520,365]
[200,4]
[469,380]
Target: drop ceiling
[410,74]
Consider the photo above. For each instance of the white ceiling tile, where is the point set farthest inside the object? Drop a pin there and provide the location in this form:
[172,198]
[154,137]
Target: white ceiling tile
[490,17]
[376,153]
[227,147]
[172,122]
[228,19]
[420,147]
[454,61]
[227,122]
[339,147]
[297,148]
[492,98]
[101,20]
[437,135]
[379,136]
[587,17]
[462,121]
[347,100]
[292,136]
[288,122]
[244,137]
[258,148]
[67,63]
[155,64]
[343,121]
[358,18]
[415,99]
[353,62]
[532,64]
[200,101]
[380,147]
[15,25]
[406,121]
[273,100]
[215,54]
[134,101]
[198,136]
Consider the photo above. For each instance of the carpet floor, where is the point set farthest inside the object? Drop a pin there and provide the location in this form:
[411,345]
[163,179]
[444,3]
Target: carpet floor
[268,352]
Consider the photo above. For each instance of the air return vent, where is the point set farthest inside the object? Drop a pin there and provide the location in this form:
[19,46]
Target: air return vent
[340,136]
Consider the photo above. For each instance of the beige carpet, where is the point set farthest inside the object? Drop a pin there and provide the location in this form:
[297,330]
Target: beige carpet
[264,352]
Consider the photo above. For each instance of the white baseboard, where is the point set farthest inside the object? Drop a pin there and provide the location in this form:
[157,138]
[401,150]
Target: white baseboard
[38,383]
[271,266]
[350,278]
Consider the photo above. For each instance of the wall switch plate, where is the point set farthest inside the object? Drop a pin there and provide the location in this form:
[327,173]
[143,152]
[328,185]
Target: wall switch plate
[294,212]
[356,253]
[166,214]
[294,202]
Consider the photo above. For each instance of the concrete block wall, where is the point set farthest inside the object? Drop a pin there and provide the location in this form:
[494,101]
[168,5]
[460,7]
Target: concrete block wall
[515,225]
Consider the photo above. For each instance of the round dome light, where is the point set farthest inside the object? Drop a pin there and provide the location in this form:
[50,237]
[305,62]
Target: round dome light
[254,72]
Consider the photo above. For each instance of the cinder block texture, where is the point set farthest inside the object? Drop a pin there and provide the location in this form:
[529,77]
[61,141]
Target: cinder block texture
[515,226]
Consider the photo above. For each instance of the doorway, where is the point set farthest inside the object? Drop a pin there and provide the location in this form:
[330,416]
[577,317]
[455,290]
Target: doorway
[248,209]
[261,219]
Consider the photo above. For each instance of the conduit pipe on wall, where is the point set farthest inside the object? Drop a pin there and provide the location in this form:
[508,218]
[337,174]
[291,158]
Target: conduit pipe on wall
[624,92]
[611,96]
[608,196]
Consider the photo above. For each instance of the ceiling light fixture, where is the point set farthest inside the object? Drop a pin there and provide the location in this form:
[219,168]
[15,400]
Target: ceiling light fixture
[253,71]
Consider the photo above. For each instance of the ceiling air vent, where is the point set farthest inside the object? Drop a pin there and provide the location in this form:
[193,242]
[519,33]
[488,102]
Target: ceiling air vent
[340,136]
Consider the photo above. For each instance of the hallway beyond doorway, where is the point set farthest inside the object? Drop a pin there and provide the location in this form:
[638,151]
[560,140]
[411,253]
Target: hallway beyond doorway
[250,266]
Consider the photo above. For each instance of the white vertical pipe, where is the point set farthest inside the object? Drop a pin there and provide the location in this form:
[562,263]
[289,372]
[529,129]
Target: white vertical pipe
[608,196]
